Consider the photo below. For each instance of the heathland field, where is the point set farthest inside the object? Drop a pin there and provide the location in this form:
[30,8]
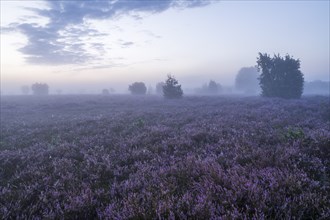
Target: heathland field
[132,157]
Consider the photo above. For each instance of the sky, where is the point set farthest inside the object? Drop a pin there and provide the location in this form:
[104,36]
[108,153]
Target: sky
[88,45]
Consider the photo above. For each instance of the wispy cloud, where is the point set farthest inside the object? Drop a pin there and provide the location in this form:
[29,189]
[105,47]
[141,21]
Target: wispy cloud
[61,41]
[126,44]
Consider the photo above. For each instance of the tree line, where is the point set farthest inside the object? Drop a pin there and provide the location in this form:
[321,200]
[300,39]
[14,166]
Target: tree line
[275,76]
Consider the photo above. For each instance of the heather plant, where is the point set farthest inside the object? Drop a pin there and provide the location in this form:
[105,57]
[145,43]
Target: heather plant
[90,157]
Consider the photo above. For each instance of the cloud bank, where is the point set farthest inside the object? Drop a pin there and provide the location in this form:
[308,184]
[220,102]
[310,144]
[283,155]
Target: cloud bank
[62,39]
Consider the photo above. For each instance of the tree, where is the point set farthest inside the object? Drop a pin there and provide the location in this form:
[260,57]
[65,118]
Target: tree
[247,80]
[213,87]
[138,88]
[25,90]
[159,88]
[40,89]
[105,92]
[172,89]
[280,77]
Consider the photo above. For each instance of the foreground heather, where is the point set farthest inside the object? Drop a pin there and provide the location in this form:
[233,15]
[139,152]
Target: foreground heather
[120,157]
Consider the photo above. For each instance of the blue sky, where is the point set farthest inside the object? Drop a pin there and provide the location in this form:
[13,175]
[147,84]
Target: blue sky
[89,45]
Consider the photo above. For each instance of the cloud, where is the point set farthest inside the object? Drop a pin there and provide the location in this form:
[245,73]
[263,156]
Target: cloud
[60,41]
[127,44]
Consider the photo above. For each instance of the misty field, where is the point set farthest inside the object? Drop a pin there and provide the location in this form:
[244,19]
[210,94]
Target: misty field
[127,157]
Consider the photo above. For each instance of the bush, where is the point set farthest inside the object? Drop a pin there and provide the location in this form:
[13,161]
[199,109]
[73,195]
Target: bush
[40,89]
[172,89]
[138,88]
[280,77]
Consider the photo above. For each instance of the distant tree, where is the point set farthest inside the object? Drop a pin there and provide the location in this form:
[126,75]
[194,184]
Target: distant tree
[280,77]
[172,89]
[213,87]
[247,80]
[40,89]
[159,88]
[138,88]
[25,90]
[105,92]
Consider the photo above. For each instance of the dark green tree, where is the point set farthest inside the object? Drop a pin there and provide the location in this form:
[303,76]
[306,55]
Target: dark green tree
[280,77]
[172,89]
[138,88]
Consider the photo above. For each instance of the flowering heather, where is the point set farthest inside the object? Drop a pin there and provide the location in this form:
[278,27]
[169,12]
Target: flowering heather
[122,157]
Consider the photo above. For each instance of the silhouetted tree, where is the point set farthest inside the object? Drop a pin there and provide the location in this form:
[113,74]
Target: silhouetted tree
[40,89]
[247,80]
[25,90]
[280,77]
[214,88]
[172,89]
[159,88]
[138,88]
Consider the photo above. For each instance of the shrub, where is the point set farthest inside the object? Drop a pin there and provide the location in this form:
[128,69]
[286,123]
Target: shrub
[138,88]
[172,89]
[280,77]
[40,89]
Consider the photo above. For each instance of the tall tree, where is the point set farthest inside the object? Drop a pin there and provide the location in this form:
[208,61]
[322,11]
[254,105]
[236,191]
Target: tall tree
[280,77]
[172,89]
